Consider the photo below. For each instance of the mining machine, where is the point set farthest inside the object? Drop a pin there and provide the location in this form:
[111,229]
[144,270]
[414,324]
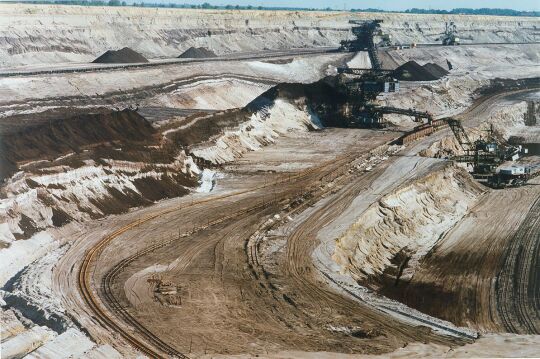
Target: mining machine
[487,154]
[450,36]
[365,32]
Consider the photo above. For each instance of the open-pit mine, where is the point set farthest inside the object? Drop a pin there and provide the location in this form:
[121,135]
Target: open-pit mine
[188,183]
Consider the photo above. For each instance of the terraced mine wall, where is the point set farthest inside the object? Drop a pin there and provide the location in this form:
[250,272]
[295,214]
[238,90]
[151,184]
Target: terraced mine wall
[386,243]
[85,167]
[62,169]
[54,33]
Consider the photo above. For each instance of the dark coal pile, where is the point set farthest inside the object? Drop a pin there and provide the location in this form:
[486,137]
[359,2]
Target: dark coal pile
[436,70]
[197,53]
[122,56]
[412,71]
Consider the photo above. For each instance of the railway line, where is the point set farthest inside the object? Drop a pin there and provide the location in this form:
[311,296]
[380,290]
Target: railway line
[128,256]
[167,62]
[331,171]
[111,275]
[150,344]
[110,312]
[232,57]
[141,338]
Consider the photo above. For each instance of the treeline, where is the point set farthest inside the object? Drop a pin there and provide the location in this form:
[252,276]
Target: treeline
[482,11]
[457,11]
[162,5]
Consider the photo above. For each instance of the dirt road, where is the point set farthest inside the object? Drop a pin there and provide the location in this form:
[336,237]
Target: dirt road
[225,301]
[486,265]
[465,267]
[217,276]
[518,280]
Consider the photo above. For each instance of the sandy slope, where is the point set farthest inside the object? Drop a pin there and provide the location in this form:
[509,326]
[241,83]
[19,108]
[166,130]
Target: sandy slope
[210,267]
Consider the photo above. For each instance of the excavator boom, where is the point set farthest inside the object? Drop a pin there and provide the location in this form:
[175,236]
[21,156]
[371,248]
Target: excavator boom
[460,134]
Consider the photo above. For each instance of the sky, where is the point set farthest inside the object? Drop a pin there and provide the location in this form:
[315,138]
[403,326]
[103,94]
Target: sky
[379,4]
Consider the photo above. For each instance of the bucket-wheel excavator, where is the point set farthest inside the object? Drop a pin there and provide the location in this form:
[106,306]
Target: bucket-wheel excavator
[364,85]
[486,155]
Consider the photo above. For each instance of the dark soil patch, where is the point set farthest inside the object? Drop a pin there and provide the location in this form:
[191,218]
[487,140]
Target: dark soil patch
[116,203]
[289,300]
[365,334]
[205,128]
[122,56]
[436,70]
[325,98]
[499,85]
[54,138]
[155,189]
[31,183]
[412,71]
[59,217]
[28,227]
[197,53]
[280,61]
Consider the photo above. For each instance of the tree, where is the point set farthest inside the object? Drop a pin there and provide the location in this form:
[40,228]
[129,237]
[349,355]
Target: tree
[114,2]
[124,3]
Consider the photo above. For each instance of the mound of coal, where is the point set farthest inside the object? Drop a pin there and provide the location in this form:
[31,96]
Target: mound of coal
[412,71]
[53,138]
[197,53]
[436,70]
[122,56]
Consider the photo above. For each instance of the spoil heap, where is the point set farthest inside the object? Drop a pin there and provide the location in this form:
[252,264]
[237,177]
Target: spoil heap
[54,138]
[436,70]
[412,71]
[197,53]
[122,56]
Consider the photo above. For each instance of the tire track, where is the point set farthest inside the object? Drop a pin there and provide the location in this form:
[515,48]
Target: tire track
[518,282]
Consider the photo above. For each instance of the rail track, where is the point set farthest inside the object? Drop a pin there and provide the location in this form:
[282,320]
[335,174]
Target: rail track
[111,275]
[479,106]
[151,345]
[297,265]
[232,57]
[138,336]
[168,62]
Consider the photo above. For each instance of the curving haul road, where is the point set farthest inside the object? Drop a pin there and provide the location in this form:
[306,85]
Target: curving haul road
[229,298]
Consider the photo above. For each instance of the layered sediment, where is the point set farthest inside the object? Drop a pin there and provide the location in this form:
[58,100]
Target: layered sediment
[51,34]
